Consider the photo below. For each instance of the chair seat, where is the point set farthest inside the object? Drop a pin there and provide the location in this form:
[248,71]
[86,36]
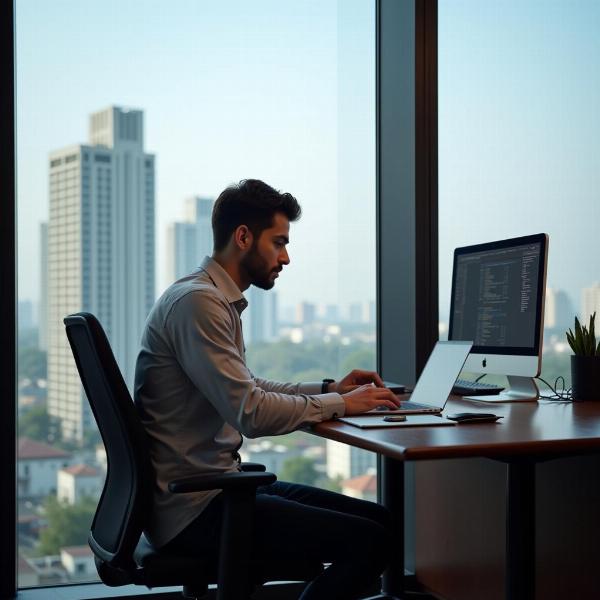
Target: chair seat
[159,568]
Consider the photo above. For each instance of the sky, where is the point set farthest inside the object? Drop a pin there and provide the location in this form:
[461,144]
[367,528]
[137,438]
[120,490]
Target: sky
[285,91]
[519,131]
[230,90]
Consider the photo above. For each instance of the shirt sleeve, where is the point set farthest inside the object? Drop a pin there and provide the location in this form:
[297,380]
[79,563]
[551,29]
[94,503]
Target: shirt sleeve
[201,331]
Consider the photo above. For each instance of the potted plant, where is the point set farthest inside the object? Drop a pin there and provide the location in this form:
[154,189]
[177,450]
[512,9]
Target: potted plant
[585,362]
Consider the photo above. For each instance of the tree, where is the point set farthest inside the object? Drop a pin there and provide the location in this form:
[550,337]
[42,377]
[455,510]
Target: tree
[38,425]
[299,470]
[32,363]
[68,525]
[333,485]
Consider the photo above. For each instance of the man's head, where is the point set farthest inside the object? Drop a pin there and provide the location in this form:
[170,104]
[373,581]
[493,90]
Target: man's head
[251,223]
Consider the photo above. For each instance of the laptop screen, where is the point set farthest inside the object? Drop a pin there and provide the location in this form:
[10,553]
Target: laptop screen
[443,367]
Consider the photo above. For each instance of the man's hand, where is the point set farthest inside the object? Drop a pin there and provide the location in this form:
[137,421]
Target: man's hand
[355,379]
[367,397]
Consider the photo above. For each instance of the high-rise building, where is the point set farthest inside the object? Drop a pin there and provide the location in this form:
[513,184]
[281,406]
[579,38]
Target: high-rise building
[25,315]
[100,251]
[260,318]
[558,312]
[347,461]
[43,302]
[191,240]
[306,313]
[590,301]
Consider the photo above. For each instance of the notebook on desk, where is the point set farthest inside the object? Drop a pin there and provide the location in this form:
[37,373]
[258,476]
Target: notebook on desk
[370,421]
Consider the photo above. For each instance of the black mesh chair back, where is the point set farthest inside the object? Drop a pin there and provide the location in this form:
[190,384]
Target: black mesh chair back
[125,501]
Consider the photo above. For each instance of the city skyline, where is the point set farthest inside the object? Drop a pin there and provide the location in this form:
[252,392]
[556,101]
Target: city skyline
[312,134]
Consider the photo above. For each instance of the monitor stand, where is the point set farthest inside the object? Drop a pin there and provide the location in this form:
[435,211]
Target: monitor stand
[520,389]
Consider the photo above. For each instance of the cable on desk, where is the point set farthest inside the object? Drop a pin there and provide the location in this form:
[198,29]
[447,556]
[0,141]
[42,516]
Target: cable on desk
[563,394]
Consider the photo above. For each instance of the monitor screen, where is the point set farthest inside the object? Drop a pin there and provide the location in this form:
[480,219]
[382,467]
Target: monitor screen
[498,295]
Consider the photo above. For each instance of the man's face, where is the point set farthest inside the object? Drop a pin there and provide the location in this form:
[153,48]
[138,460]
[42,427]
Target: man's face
[268,254]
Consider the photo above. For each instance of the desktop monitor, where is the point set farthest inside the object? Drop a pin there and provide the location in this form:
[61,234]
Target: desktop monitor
[497,302]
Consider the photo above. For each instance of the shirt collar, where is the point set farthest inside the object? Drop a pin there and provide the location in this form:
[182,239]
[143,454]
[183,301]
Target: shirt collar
[224,282]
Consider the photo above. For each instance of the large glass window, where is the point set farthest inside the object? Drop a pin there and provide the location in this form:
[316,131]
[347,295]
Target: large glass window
[519,150]
[131,119]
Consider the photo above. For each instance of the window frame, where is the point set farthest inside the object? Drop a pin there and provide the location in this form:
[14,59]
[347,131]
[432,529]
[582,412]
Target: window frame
[407,209]
[8,306]
[406,271]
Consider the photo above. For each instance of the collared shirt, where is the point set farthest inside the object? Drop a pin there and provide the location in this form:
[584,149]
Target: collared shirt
[196,396]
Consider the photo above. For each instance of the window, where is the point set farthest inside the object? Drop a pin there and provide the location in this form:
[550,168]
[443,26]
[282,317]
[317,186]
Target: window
[285,93]
[519,87]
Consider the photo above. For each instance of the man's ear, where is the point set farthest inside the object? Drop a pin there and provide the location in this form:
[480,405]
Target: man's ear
[243,237]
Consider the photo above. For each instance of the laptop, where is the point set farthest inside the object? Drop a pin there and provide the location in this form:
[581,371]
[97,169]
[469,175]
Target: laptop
[435,384]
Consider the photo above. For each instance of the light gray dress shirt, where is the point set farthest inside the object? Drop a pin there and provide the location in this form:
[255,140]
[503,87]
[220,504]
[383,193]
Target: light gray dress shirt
[196,396]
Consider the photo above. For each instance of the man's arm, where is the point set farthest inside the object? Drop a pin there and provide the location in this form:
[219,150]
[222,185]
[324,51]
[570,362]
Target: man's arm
[200,329]
[309,388]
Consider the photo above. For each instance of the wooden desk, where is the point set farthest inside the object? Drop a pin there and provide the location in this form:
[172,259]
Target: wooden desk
[528,434]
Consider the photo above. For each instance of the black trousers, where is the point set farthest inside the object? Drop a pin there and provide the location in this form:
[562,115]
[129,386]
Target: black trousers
[294,521]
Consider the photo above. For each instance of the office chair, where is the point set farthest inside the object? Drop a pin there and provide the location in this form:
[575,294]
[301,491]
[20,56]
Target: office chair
[122,554]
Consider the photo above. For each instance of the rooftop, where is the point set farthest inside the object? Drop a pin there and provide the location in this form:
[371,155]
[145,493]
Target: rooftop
[362,483]
[77,551]
[81,471]
[30,449]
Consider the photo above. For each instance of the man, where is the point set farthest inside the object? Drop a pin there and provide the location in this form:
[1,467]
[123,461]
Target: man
[197,399]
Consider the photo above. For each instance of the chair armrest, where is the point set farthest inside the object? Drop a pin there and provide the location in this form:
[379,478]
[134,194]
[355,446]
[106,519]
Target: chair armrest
[250,466]
[223,481]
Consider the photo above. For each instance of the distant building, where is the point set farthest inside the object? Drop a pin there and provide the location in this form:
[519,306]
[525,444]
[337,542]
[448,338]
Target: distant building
[305,313]
[31,395]
[590,302]
[363,487]
[37,468]
[361,312]
[269,454]
[78,481]
[347,461]
[558,312]
[331,314]
[101,458]
[28,574]
[191,240]
[371,311]
[43,302]
[259,320]
[355,313]
[100,251]
[78,562]
[25,318]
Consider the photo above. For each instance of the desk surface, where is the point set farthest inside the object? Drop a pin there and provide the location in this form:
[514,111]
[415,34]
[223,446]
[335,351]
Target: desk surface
[545,428]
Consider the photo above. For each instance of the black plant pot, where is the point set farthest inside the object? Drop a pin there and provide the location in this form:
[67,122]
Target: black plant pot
[585,377]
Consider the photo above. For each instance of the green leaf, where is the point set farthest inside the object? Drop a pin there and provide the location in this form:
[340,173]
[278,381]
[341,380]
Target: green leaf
[585,339]
[578,337]
[571,340]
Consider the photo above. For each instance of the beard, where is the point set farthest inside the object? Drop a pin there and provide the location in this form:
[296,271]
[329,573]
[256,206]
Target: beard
[258,270]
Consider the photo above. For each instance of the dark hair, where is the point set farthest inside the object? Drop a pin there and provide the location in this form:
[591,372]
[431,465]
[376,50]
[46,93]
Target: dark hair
[253,203]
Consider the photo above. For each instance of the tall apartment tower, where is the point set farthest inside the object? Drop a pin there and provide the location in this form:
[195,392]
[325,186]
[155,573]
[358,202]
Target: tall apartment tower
[558,311]
[590,302]
[100,251]
[259,320]
[191,240]
[43,301]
